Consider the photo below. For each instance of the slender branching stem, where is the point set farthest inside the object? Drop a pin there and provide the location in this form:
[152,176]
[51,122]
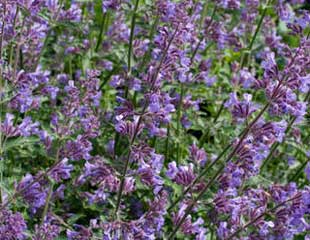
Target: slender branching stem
[27,187]
[258,27]
[179,121]
[47,202]
[100,35]
[254,220]
[139,122]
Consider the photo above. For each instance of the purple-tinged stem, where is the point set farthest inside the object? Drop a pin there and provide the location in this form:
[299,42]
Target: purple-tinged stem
[21,191]
[2,30]
[231,155]
[260,216]
[121,188]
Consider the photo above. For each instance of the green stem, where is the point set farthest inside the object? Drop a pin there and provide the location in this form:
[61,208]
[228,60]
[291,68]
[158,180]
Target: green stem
[70,69]
[298,172]
[231,155]
[260,216]
[48,34]
[259,26]
[200,26]
[121,188]
[164,57]
[217,174]
[99,39]
[48,198]
[1,96]
[249,48]
[277,144]
[167,144]
[132,33]
[151,36]
[193,203]
[179,121]
[11,44]
[205,170]
[133,23]
[273,148]
[153,142]
[131,37]
[18,48]
[38,179]
[2,30]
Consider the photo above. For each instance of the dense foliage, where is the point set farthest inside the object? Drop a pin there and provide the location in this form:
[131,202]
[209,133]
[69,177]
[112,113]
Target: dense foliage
[154,119]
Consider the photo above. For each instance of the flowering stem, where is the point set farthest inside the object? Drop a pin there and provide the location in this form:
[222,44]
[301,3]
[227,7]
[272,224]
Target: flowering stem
[1,96]
[38,179]
[99,39]
[148,53]
[167,144]
[258,26]
[206,29]
[11,44]
[164,57]
[205,171]
[276,145]
[217,174]
[18,48]
[123,176]
[132,33]
[2,31]
[193,203]
[198,178]
[61,221]
[260,216]
[179,121]
[48,34]
[122,183]
[273,148]
[47,201]
[231,155]
[298,172]
[249,48]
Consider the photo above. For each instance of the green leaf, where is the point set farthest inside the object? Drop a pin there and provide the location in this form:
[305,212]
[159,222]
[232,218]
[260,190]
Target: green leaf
[20,142]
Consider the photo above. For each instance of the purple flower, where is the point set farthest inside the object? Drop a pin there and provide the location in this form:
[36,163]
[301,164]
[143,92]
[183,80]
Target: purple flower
[183,175]
[27,127]
[7,127]
[49,230]
[129,128]
[110,4]
[62,171]
[198,155]
[270,66]
[78,149]
[241,110]
[12,225]
[35,193]
[230,4]
[81,233]
[189,227]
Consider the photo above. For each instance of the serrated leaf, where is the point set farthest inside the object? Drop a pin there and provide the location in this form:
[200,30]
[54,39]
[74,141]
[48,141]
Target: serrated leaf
[20,142]
[300,148]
